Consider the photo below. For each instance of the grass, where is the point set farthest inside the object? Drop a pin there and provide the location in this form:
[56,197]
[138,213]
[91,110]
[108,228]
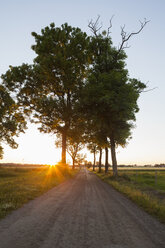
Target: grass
[20,185]
[143,187]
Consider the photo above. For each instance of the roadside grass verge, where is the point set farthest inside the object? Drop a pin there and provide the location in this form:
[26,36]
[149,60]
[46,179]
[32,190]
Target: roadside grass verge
[20,185]
[141,189]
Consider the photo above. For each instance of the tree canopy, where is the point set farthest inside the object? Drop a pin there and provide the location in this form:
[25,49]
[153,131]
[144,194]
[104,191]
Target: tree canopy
[78,80]
[49,88]
[109,98]
[12,121]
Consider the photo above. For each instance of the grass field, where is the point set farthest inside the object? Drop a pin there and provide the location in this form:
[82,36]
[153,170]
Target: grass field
[146,178]
[146,187]
[19,185]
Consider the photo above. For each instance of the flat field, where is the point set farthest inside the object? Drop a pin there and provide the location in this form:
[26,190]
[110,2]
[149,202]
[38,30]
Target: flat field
[151,179]
[19,185]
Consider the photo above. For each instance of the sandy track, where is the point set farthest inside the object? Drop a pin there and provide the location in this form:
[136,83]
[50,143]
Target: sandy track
[82,212]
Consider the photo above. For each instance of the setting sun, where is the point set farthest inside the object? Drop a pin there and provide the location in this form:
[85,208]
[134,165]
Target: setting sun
[52,165]
[34,148]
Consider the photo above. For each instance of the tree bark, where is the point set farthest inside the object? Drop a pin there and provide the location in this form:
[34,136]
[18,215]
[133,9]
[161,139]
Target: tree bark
[73,163]
[100,160]
[113,156]
[106,159]
[63,160]
[94,160]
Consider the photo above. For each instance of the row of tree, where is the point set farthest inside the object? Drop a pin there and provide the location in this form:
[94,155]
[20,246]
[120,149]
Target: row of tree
[77,88]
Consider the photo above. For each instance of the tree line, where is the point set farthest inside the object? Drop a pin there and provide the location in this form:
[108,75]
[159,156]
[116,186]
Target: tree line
[78,88]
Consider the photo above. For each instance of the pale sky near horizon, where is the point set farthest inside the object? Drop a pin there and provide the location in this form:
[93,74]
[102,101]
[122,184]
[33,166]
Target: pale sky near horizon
[18,18]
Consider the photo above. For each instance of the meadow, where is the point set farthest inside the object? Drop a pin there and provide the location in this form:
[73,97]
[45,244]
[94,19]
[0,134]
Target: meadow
[145,187]
[20,185]
[147,179]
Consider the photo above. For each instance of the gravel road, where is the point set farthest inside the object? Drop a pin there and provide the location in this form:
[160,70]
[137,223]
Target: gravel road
[81,212]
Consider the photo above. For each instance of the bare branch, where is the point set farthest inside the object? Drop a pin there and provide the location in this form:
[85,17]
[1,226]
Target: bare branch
[126,36]
[125,47]
[110,26]
[144,91]
[95,26]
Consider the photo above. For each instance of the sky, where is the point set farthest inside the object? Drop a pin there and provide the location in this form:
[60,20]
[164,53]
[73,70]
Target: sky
[18,18]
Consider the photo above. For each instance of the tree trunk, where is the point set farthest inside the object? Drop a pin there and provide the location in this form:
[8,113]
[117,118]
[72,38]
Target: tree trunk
[106,159]
[113,156]
[73,163]
[63,160]
[100,160]
[94,160]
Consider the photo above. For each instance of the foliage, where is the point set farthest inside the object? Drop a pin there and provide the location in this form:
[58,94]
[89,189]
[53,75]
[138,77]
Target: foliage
[79,79]
[49,88]
[11,120]
[109,98]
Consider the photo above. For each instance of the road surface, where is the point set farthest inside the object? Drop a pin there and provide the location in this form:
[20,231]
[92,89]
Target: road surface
[81,212]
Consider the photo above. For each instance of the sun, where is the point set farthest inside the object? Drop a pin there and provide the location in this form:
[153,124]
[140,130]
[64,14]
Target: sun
[52,165]
[34,148]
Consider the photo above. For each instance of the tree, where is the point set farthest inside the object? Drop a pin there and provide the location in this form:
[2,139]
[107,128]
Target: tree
[120,110]
[100,159]
[81,158]
[75,142]
[73,149]
[49,88]
[12,121]
[110,96]
[114,106]
[98,141]
[92,147]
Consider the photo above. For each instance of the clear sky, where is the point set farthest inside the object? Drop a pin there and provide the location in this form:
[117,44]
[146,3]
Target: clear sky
[18,18]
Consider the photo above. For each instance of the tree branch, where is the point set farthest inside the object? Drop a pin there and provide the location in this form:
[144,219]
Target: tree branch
[144,91]
[110,26]
[95,26]
[126,36]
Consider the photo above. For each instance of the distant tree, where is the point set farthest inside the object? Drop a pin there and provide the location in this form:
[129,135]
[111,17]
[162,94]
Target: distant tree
[49,88]
[99,137]
[93,148]
[80,159]
[74,145]
[73,150]
[12,121]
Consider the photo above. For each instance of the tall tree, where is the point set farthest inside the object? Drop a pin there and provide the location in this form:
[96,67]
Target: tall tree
[49,88]
[110,96]
[100,159]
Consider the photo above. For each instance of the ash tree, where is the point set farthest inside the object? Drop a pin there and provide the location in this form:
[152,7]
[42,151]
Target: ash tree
[48,89]
[12,121]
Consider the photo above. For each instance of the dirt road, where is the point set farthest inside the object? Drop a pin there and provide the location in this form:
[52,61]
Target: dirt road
[82,212]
